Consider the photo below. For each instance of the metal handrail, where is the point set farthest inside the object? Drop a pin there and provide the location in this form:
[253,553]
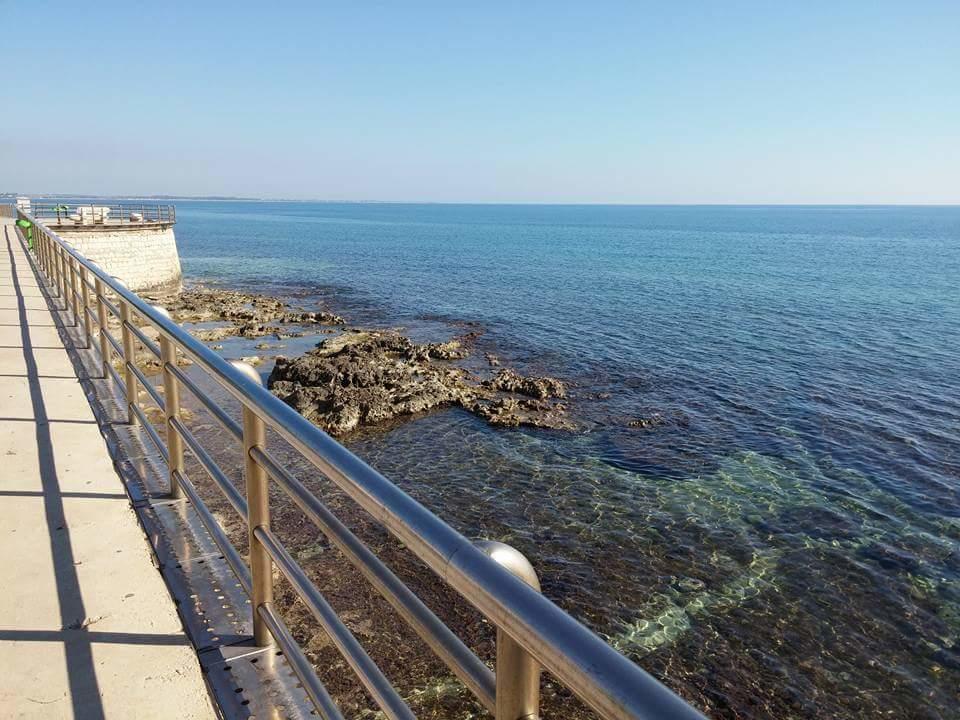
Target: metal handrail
[531,630]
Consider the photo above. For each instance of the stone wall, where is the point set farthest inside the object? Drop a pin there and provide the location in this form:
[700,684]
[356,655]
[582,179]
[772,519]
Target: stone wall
[144,259]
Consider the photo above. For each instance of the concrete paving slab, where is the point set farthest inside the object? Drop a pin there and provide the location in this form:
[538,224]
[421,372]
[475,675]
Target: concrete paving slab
[35,318]
[49,362]
[61,403]
[30,302]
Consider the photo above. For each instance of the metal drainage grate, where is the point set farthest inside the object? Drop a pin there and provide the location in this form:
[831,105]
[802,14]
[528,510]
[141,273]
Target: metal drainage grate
[246,681]
[255,683]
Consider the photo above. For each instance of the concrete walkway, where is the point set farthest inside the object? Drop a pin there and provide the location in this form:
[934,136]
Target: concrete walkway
[87,627]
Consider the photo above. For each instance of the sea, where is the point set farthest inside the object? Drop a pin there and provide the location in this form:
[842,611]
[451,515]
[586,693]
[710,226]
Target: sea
[760,503]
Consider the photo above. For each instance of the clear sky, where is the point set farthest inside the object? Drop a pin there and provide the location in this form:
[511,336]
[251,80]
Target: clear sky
[662,102]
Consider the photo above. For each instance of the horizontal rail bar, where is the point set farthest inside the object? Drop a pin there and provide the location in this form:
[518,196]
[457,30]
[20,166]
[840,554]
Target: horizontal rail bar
[301,666]
[147,385]
[370,675]
[449,648]
[231,425]
[213,470]
[141,336]
[603,678]
[151,431]
[114,310]
[116,376]
[114,343]
[230,553]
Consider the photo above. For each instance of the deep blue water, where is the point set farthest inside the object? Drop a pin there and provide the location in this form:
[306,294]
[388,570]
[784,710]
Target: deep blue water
[785,542]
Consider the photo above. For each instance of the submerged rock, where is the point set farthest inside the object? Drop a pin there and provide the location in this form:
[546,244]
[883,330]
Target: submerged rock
[674,418]
[645,423]
[514,412]
[214,334]
[536,387]
[249,315]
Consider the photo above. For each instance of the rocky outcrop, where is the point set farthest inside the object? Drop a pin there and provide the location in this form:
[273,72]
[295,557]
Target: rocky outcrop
[365,378]
[247,310]
[362,379]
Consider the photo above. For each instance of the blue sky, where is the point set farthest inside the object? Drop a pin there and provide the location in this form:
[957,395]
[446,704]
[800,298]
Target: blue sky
[768,102]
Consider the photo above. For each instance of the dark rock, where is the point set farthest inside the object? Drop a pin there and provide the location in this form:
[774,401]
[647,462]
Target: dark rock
[514,412]
[365,378]
[675,418]
[203,304]
[537,387]
[645,423]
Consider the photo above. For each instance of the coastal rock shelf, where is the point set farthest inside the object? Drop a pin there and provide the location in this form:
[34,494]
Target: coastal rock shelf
[365,378]
[359,378]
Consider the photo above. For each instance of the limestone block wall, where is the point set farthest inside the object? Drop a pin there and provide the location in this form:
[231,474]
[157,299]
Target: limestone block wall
[144,259]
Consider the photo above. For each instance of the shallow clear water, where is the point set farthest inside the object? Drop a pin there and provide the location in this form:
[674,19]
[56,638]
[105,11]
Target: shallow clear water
[786,542]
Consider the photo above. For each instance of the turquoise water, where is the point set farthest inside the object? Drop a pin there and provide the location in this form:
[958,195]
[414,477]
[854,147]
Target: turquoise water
[785,540]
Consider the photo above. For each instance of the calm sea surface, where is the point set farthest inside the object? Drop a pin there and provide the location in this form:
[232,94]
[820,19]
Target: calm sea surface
[784,541]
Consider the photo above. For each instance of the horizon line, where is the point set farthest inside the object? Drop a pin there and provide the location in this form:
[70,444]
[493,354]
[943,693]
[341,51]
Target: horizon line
[240,198]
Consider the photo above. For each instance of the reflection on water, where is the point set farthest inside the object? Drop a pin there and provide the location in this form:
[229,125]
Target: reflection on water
[784,539]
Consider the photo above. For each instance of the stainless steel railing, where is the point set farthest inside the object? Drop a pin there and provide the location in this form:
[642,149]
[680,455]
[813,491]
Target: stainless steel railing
[70,213]
[532,632]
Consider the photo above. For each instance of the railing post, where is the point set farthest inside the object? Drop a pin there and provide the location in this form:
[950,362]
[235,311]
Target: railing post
[72,264]
[55,276]
[58,275]
[37,245]
[171,405]
[64,279]
[129,355]
[105,347]
[258,513]
[52,266]
[51,274]
[42,250]
[85,302]
[518,674]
